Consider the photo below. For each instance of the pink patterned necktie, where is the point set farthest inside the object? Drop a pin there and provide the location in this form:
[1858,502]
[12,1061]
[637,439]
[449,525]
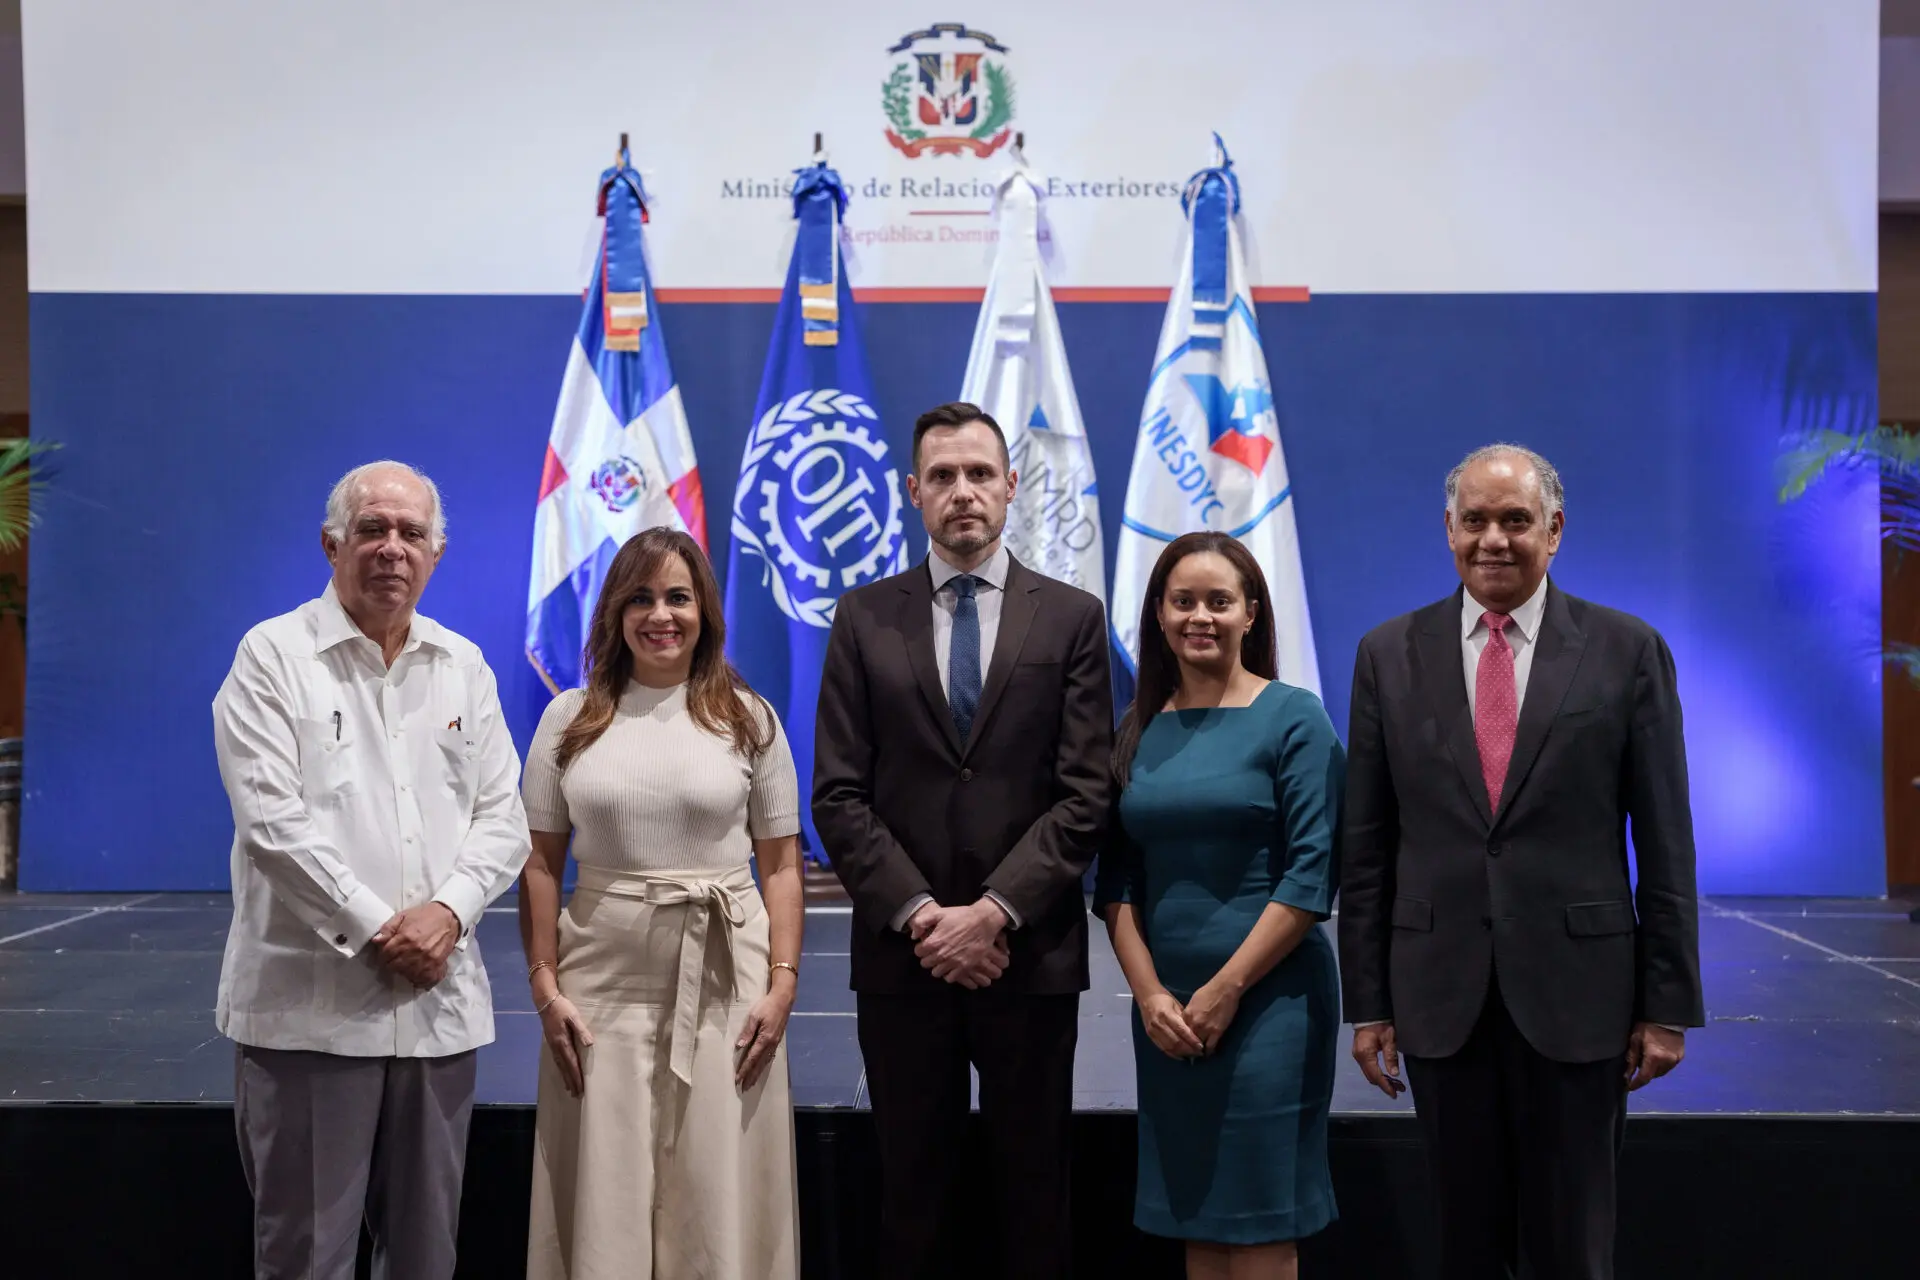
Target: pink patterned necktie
[1496,707]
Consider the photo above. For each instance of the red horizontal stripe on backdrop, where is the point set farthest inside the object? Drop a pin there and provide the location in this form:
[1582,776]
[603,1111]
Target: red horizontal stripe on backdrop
[717,295]
[1264,293]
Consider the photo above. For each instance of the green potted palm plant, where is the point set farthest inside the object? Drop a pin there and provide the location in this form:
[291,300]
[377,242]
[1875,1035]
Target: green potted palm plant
[1895,453]
[22,476]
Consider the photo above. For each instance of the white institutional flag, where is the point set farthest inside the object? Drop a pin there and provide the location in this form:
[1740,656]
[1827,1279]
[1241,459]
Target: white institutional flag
[1208,455]
[1018,373]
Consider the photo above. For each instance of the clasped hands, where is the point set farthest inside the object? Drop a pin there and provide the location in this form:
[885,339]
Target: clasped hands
[416,943]
[1193,1029]
[966,945]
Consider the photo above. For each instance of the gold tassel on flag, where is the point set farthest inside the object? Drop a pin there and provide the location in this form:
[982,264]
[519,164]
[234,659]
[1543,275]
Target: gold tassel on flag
[626,316]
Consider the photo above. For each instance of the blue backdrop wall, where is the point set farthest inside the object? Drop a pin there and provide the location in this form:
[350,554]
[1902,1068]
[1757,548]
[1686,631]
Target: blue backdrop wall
[203,431]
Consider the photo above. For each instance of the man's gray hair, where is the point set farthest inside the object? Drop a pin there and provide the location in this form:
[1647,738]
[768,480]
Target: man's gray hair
[342,502]
[1553,495]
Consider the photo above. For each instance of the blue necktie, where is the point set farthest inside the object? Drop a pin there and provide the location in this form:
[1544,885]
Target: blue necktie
[963,659]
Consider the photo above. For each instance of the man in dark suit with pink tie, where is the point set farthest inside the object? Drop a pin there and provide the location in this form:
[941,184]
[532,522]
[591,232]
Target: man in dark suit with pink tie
[1503,743]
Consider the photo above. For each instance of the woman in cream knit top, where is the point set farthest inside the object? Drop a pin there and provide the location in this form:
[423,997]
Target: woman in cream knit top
[656,792]
[663,1142]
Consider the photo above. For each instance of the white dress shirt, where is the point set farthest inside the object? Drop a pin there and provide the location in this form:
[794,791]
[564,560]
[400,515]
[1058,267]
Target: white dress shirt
[988,595]
[1521,634]
[359,790]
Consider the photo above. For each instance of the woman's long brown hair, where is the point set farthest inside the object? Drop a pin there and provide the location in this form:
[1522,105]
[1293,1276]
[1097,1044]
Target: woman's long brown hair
[1159,670]
[713,686]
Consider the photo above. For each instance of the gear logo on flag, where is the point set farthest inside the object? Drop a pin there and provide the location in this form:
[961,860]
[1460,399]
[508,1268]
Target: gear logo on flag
[949,92]
[619,482]
[817,503]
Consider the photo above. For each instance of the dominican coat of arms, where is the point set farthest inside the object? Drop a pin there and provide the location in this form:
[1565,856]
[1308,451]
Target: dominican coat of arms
[619,482]
[949,92]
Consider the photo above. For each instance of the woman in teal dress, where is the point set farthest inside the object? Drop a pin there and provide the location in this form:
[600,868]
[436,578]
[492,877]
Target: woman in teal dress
[1219,869]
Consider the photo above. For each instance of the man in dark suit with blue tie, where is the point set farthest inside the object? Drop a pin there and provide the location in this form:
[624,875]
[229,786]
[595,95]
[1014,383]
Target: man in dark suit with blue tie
[960,788]
[1502,744]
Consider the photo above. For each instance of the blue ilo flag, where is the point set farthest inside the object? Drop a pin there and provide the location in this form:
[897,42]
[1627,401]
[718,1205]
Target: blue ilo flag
[1208,455]
[619,455]
[818,508]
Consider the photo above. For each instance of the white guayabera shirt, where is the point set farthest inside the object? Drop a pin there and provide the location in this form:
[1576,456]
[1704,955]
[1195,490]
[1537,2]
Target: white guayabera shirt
[359,790]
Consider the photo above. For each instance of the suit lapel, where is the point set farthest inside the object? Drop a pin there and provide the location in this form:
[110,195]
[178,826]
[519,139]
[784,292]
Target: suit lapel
[916,628]
[1016,618]
[1443,672]
[1561,643]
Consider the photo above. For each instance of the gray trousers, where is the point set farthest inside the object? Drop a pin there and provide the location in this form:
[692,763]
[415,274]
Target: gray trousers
[326,1140]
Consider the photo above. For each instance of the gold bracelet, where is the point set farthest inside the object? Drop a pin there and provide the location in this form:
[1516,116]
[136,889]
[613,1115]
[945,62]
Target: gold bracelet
[782,964]
[536,967]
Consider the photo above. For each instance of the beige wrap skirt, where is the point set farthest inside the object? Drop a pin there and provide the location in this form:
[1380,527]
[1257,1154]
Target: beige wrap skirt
[664,1169]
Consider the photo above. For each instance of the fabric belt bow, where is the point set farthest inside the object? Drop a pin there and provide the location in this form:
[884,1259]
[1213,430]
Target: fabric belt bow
[704,898]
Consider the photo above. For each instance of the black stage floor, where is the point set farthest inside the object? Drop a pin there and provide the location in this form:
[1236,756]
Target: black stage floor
[1791,1129]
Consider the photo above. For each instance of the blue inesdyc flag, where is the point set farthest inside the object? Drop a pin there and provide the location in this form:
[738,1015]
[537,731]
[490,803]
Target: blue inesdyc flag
[1208,453]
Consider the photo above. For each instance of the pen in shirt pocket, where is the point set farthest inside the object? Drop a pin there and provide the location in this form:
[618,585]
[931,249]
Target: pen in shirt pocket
[336,726]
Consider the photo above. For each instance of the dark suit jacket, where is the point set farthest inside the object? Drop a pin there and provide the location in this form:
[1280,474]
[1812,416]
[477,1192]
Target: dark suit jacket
[1436,892]
[904,809]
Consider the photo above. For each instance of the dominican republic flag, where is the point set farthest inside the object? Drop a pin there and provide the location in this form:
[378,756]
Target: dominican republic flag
[619,457]
[1208,455]
[819,507]
[1018,373]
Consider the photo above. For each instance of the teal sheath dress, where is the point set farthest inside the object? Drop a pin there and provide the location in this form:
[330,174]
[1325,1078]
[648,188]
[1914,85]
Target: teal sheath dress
[1227,810]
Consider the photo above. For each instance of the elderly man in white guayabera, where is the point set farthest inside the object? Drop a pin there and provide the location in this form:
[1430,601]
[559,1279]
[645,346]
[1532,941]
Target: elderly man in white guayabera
[376,813]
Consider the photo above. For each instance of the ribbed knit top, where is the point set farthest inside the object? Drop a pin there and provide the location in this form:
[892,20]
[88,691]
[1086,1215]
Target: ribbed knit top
[656,792]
